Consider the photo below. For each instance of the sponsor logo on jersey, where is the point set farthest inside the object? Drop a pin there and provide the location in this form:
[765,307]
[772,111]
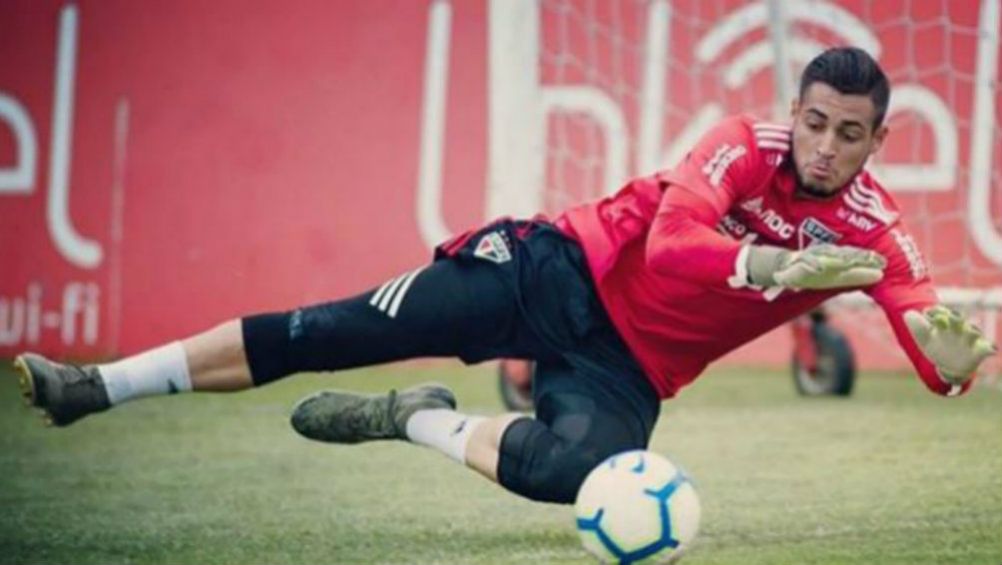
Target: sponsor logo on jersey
[812,232]
[861,222]
[754,205]
[717,165]
[911,253]
[856,220]
[492,247]
[771,218]
[731,226]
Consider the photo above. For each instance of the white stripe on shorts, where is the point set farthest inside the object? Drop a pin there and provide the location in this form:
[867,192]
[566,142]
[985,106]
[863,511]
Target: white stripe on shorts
[400,293]
[390,296]
[384,302]
[379,293]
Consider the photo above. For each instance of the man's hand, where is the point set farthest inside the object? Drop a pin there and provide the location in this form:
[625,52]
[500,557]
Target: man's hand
[818,267]
[953,344]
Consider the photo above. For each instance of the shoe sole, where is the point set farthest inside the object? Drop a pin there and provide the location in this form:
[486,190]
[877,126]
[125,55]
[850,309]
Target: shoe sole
[26,383]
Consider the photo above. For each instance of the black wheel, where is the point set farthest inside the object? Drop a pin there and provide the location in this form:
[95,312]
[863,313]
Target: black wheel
[516,397]
[835,373]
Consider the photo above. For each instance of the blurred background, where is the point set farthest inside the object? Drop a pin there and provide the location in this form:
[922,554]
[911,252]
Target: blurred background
[168,165]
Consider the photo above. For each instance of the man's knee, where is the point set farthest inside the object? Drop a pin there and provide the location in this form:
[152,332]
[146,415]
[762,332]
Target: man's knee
[542,466]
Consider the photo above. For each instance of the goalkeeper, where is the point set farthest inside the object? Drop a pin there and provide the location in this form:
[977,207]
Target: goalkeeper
[622,302]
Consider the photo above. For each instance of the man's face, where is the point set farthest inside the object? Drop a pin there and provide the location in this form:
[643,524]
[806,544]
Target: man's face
[833,136]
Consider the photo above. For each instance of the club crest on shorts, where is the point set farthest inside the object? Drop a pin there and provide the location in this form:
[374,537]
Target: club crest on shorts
[493,247]
[813,231]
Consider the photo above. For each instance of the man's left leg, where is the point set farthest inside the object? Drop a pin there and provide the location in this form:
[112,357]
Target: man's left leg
[581,420]
[583,416]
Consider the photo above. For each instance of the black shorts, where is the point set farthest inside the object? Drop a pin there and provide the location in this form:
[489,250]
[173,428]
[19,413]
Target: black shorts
[578,351]
[513,289]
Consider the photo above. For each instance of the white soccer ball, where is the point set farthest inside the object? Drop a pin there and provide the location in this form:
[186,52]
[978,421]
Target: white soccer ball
[637,506]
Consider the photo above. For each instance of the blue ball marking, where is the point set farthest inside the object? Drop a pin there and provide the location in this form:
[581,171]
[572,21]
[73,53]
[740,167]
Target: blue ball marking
[639,468]
[662,495]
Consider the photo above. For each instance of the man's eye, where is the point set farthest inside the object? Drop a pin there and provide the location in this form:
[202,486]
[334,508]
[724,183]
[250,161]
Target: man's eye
[815,126]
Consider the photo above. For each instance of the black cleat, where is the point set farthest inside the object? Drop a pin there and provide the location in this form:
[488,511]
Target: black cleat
[345,417]
[64,393]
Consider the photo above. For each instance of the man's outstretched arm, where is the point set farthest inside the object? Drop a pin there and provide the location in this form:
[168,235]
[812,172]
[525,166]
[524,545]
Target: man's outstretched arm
[723,167]
[944,348]
[683,243]
[954,345]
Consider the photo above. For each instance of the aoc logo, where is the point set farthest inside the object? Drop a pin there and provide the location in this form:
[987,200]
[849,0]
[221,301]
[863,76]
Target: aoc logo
[773,221]
[812,231]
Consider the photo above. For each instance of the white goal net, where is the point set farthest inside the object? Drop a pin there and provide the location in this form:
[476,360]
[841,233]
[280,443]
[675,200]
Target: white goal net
[624,87]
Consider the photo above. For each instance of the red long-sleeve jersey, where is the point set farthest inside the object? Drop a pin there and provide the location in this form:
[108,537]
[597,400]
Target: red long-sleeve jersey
[668,252]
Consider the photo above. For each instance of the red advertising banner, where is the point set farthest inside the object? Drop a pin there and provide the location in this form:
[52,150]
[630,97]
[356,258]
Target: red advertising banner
[186,163]
[165,166]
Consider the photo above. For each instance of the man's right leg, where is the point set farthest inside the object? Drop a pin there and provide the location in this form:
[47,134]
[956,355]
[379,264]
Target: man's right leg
[211,361]
[444,309]
[217,359]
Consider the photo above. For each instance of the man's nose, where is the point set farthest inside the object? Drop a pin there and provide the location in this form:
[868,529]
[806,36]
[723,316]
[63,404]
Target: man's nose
[826,147]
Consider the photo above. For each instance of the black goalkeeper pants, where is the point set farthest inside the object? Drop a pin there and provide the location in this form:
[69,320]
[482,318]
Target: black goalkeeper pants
[511,289]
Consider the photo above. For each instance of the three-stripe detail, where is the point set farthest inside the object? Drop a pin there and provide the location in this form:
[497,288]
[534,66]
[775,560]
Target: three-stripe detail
[868,201]
[390,296]
[772,136]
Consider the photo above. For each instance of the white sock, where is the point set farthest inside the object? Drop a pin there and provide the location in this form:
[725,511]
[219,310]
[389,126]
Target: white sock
[445,430]
[163,370]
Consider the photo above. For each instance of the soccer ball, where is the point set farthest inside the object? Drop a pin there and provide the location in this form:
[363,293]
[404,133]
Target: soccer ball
[637,506]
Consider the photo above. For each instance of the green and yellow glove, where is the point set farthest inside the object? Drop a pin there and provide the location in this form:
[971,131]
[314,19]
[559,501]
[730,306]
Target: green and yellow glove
[818,267]
[954,345]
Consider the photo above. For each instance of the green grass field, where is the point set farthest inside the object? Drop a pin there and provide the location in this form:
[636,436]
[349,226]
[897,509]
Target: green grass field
[892,475]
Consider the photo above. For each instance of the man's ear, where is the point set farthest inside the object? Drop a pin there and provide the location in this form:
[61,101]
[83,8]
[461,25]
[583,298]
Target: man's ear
[878,139]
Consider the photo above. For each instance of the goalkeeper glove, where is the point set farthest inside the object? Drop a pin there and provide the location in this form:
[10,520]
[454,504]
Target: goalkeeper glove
[953,344]
[818,267]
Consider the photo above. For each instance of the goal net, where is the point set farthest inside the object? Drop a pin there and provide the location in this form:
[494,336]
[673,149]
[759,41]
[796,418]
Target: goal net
[624,87]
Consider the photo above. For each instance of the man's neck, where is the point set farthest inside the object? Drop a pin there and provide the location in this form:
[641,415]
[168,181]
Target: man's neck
[809,193]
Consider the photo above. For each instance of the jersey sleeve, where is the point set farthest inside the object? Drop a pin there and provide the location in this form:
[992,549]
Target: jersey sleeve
[907,286]
[683,241]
